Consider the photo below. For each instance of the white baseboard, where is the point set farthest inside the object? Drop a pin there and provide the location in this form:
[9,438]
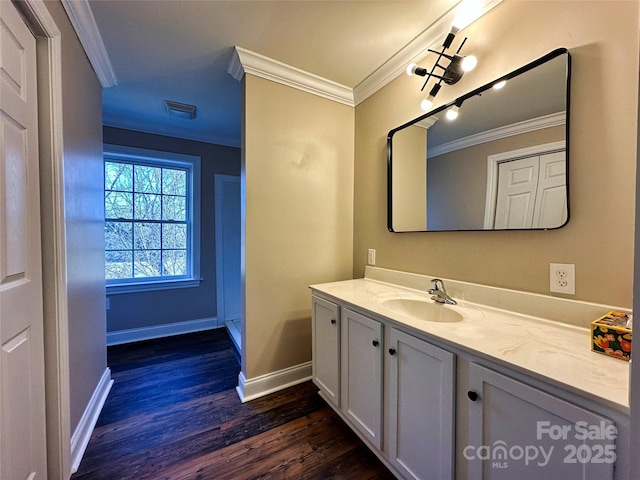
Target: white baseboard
[235,333]
[158,331]
[82,433]
[272,382]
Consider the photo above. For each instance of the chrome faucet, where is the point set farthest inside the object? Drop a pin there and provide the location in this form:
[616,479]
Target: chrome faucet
[440,293]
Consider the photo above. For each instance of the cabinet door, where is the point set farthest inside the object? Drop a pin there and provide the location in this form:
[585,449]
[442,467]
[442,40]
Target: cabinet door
[326,348]
[421,408]
[362,371]
[517,431]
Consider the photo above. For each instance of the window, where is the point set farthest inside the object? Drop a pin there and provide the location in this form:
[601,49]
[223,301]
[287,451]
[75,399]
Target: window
[151,203]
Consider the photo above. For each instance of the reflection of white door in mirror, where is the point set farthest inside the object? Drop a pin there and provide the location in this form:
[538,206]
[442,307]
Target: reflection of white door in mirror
[550,209]
[516,196]
[527,188]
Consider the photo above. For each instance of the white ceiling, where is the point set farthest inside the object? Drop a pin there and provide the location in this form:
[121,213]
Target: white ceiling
[179,50]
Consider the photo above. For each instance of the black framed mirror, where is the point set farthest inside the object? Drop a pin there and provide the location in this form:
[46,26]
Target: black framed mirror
[502,164]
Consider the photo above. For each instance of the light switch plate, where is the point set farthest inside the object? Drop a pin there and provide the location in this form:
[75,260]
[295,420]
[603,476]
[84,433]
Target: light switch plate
[371,257]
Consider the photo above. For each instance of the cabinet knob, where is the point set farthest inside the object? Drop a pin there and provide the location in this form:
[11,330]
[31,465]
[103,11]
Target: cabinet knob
[375,343]
[392,351]
[333,321]
[473,396]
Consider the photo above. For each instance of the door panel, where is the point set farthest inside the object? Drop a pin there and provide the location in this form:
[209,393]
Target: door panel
[517,185]
[508,417]
[551,201]
[326,348]
[532,192]
[362,370]
[22,420]
[421,404]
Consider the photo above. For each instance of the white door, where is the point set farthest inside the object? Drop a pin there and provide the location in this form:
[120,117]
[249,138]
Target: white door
[228,268]
[362,373]
[517,186]
[22,412]
[421,408]
[551,200]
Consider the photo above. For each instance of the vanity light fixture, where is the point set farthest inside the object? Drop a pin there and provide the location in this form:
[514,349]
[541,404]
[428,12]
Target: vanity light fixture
[450,74]
[500,84]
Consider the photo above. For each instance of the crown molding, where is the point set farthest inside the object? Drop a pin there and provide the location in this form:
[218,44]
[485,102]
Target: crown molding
[547,121]
[416,50]
[428,122]
[244,61]
[84,23]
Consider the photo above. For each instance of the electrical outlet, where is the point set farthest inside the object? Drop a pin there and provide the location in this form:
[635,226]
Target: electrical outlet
[562,278]
[371,257]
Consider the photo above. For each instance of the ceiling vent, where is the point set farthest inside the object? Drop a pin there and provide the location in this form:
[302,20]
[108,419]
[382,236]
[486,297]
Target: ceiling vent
[180,110]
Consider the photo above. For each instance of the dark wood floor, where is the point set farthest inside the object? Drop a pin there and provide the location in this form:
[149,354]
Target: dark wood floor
[173,413]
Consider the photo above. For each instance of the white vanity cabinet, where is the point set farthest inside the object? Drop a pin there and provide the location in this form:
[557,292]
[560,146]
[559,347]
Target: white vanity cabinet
[326,348]
[419,411]
[420,408]
[518,431]
[442,412]
[362,374]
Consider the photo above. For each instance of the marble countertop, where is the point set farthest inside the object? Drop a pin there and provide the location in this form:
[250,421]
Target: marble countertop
[554,352]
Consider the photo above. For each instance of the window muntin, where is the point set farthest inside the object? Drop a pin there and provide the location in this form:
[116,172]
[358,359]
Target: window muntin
[150,234]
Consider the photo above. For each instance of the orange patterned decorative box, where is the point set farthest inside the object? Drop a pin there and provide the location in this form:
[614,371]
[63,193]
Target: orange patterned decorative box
[611,335]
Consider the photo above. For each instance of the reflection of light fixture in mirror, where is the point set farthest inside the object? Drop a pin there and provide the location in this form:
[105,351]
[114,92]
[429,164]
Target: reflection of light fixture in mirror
[452,113]
[450,74]
[500,84]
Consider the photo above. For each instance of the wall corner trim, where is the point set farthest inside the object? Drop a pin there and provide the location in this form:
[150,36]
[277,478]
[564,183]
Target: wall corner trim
[272,382]
[84,23]
[244,61]
[82,433]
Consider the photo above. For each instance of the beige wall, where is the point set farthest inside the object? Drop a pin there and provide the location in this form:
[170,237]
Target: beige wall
[602,38]
[84,223]
[297,176]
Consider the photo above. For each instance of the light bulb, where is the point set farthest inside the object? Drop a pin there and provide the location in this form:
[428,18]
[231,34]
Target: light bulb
[452,113]
[469,63]
[468,12]
[411,69]
[427,103]
[500,84]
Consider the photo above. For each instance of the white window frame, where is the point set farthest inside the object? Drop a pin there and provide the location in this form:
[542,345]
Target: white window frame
[166,159]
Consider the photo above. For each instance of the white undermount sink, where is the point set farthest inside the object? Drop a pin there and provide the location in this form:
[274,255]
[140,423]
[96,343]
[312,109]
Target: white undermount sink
[421,309]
